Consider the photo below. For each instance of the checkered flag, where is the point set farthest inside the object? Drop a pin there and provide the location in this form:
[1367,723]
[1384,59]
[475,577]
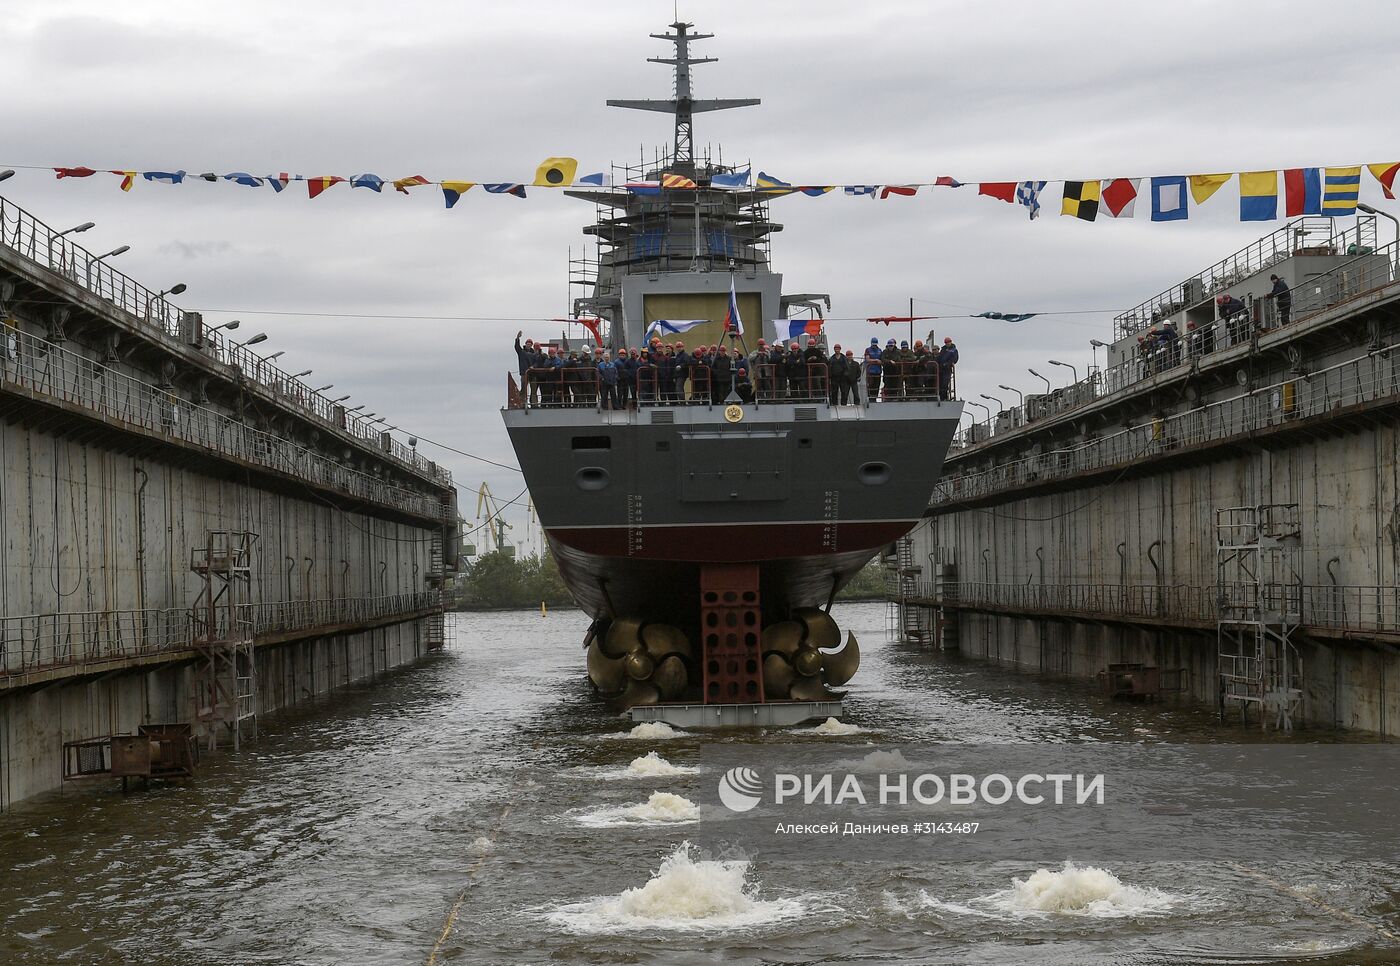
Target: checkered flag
[1028,194]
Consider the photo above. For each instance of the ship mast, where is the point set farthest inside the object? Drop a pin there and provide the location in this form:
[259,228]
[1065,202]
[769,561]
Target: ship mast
[683,106]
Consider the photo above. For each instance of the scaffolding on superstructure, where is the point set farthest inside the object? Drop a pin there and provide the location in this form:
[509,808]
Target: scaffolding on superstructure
[221,632]
[1259,597]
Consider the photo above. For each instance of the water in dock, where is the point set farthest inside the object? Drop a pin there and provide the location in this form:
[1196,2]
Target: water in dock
[481,808]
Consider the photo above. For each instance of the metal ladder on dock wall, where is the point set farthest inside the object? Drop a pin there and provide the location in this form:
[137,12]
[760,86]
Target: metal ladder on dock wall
[436,630]
[221,632]
[1259,599]
[905,619]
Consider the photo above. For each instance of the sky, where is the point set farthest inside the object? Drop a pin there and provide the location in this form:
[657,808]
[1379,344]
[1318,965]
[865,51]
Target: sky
[891,92]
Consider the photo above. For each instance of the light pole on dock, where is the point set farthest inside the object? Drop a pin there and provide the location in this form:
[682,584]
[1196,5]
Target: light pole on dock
[1001,406]
[1020,396]
[1096,345]
[1073,371]
[1042,379]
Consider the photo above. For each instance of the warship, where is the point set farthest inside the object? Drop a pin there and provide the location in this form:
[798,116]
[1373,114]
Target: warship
[708,537]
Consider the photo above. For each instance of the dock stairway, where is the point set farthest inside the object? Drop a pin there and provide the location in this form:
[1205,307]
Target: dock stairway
[221,633]
[905,619]
[1259,597]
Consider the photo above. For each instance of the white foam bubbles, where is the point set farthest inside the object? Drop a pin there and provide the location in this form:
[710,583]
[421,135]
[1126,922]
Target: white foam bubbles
[650,765]
[832,726]
[1082,891]
[685,894]
[650,731]
[662,808]
[481,845]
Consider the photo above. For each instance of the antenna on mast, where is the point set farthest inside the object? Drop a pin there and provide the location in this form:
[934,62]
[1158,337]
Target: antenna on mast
[683,106]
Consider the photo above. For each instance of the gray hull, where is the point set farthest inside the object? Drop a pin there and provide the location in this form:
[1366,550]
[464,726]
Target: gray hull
[635,503]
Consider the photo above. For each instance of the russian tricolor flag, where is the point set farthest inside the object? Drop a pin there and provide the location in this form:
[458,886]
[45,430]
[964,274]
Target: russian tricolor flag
[732,321]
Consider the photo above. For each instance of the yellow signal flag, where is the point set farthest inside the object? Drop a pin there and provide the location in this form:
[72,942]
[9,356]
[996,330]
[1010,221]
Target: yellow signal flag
[1205,185]
[556,172]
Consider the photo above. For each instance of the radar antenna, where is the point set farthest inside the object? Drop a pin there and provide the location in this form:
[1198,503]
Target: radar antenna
[683,106]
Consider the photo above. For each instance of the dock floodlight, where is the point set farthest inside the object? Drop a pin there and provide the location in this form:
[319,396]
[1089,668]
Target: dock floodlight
[227,325]
[355,409]
[7,174]
[329,385]
[176,289]
[76,229]
[1020,396]
[260,337]
[1041,378]
[340,400]
[413,441]
[1097,344]
[1065,365]
[119,250]
[1001,406]
[304,372]
[275,356]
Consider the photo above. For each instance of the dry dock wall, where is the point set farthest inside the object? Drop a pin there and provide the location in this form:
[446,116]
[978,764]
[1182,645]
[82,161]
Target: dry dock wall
[1087,535]
[130,430]
[35,724]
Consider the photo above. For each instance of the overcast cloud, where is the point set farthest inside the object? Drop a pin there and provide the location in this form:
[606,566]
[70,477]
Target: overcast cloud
[872,93]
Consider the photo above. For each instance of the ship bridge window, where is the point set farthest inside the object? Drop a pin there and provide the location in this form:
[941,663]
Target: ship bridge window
[592,442]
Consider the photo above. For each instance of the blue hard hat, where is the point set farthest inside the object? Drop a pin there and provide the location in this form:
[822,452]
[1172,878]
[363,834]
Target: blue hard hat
[874,341]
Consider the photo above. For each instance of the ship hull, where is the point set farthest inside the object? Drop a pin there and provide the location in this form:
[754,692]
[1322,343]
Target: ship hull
[635,504]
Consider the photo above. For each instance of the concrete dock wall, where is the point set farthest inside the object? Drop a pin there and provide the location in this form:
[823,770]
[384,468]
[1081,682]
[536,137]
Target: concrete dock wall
[34,724]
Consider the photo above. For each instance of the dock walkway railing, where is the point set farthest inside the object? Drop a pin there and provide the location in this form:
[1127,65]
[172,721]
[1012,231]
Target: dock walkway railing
[37,642]
[1367,378]
[59,253]
[1344,607]
[1363,275]
[49,370]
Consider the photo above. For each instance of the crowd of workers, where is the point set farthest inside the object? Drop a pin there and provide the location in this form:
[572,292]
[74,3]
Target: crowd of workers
[1161,347]
[669,373]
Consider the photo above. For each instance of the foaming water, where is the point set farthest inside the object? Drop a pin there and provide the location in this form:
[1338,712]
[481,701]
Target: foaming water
[650,765]
[650,731]
[877,761]
[1082,891]
[832,726]
[481,845]
[662,808]
[685,894]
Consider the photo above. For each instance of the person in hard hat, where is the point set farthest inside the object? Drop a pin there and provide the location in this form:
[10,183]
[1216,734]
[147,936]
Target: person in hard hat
[873,371]
[947,365]
[797,372]
[837,393]
[889,363]
[759,371]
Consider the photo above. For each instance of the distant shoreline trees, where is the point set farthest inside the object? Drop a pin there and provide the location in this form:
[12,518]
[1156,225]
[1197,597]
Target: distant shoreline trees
[495,581]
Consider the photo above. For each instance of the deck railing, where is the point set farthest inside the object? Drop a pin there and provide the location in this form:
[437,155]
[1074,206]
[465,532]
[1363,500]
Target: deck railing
[1366,378]
[49,370]
[582,388]
[38,642]
[25,235]
[1346,607]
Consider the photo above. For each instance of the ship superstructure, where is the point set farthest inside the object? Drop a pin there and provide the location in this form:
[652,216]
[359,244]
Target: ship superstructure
[708,537]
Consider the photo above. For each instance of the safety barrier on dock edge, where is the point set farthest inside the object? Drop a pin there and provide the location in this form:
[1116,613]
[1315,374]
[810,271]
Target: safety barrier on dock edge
[1345,607]
[38,642]
[49,370]
[1367,378]
[31,239]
